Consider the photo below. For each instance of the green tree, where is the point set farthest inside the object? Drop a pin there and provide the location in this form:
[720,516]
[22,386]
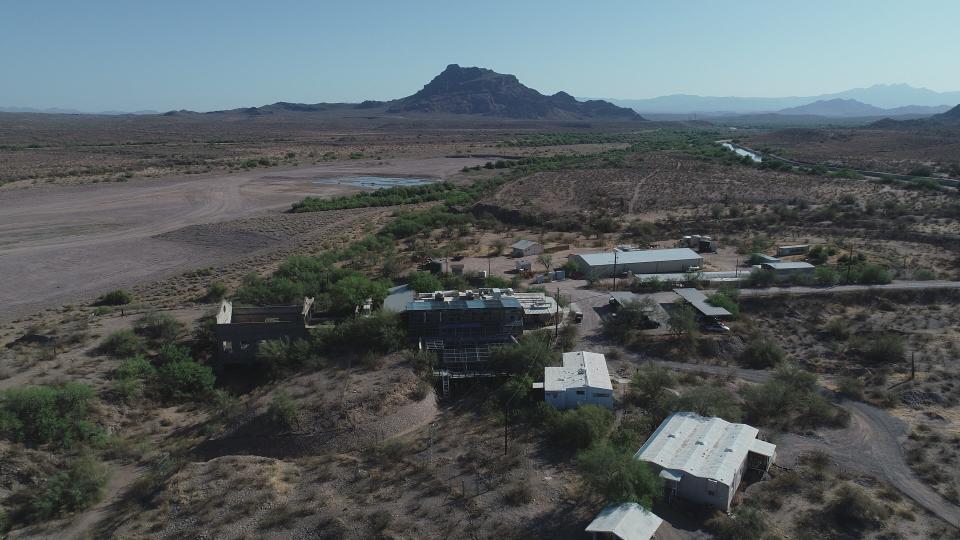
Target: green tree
[546,260]
[580,427]
[158,327]
[283,411]
[650,388]
[710,401]
[353,291]
[617,476]
[532,352]
[424,282]
[683,320]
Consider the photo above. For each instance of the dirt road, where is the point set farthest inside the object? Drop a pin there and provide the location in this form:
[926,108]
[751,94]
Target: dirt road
[70,243]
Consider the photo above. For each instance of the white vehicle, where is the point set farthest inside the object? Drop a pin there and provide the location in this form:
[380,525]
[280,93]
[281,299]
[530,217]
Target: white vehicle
[715,326]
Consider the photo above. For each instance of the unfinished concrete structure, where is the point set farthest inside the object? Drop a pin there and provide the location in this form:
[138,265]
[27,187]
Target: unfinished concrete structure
[704,459]
[240,330]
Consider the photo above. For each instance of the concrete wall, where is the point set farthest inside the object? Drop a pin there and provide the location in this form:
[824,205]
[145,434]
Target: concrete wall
[238,342]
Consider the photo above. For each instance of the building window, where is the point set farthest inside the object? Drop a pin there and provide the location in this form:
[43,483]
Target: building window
[227,346]
[580,392]
[244,345]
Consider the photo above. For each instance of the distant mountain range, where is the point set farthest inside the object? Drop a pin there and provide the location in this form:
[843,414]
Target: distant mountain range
[852,108]
[55,110]
[883,96]
[949,119]
[469,91]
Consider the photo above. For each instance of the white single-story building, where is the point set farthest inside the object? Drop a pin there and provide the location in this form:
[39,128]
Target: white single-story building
[582,380]
[784,269]
[704,459]
[626,521]
[647,261]
[526,248]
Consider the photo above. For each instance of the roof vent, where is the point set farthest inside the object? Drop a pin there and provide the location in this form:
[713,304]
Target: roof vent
[438,296]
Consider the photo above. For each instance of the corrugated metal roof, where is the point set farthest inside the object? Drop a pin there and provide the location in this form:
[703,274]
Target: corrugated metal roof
[640,256]
[788,265]
[709,448]
[628,521]
[523,244]
[699,300]
[580,369]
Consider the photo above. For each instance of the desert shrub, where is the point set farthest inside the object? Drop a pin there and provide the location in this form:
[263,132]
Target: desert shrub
[530,355]
[78,487]
[710,401]
[725,301]
[761,352]
[280,355]
[49,414]
[838,328]
[683,319]
[283,411]
[518,492]
[131,377]
[852,508]
[580,427]
[924,274]
[614,474]
[184,379]
[380,519]
[4,521]
[159,327]
[825,276]
[869,274]
[122,344]
[380,333]
[649,388]
[216,291]
[790,400]
[118,297]
[745,522]
[424,282]
[851,387]
[882,349]
[353,290]
[761,278]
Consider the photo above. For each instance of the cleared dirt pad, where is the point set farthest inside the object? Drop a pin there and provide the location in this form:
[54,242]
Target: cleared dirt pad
[68,244]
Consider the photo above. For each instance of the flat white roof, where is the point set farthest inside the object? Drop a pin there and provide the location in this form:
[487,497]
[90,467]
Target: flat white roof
[709,448]
[787,265]
[640,256]
[629,521]
[580,369]
[699,300]
[523,244]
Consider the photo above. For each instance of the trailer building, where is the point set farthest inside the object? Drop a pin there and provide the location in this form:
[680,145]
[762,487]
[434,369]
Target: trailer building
[704,459]
[526,248]
[789,269]
[582,379]
[648,261]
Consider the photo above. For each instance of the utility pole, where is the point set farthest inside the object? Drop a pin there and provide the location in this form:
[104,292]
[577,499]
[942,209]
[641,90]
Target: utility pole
[506,422]
[489,268]
[615,268]
[913,365]
[850,262]
[556,331]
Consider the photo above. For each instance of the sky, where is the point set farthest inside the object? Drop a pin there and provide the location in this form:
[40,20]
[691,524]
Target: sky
[129,55]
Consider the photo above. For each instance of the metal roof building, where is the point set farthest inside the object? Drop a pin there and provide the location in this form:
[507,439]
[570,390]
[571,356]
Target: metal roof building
[698,300]
[583,379]
[703,459]
[647,261]
[523,248]
[789,268]
[626,521]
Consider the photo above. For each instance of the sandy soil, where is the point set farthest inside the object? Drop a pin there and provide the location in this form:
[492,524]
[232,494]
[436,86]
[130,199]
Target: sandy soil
[70,243]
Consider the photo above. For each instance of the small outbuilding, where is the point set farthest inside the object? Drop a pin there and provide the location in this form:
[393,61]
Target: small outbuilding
[624,521]
[526,248]
[581,380]
[703,459]
[786,251]
[789,269]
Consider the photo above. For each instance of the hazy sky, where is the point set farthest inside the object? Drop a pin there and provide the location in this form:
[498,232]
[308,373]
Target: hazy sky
[204,54]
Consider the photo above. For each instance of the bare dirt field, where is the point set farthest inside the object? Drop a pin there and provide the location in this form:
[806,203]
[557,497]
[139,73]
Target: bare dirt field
[70,243]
